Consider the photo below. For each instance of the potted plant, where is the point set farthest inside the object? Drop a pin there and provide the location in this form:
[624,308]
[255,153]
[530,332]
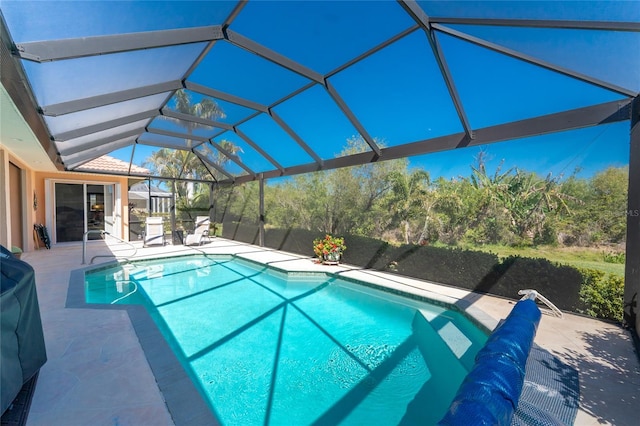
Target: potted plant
[16,251]
[329,249]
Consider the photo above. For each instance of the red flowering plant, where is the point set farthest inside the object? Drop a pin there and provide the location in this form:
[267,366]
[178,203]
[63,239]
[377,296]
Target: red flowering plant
[329,247]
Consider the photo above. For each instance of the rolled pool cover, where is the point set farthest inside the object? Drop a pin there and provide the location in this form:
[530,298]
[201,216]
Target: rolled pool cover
[490,392]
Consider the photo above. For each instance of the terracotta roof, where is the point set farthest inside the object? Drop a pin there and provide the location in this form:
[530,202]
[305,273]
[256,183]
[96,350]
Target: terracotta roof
[111,165]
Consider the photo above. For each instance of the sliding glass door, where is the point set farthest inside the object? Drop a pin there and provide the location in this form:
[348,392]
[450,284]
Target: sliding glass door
[83,207]
[69,212]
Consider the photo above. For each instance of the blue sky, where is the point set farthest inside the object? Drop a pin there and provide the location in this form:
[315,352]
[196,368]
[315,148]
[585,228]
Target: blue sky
[398,94]
[589,150]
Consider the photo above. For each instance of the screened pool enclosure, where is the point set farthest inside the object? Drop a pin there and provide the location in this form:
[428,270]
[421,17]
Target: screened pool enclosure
[253,91]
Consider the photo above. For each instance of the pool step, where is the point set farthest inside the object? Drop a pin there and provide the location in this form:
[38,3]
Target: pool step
[444,381]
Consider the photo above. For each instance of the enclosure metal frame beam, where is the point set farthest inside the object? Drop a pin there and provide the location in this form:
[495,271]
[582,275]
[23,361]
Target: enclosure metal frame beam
[632,265]
[76,105]
[272,56]
[542,23]
[206,166]
[164,144]
[202,139]
[177,135]
[154,177]
[15,82]
[225,126]
[67,151]
[232,157]
[73,48]
[258,148]
[608,112]
[204,90]
[422,19]
[215,166]
[167,112]
[280,122]
[106,125]
[333,93]
[76,159]
[530,59]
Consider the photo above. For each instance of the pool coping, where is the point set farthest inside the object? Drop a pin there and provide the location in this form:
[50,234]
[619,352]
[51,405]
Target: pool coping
[185,402]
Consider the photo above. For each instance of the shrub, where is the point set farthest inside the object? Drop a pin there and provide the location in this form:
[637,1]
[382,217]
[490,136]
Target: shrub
[602,297]
[614,257]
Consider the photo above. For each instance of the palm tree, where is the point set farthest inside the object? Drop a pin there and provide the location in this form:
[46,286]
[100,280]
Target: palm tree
[206,109]
[184,164]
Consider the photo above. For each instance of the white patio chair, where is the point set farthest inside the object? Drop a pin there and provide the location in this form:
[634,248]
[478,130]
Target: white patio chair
[154,231]
[200,233]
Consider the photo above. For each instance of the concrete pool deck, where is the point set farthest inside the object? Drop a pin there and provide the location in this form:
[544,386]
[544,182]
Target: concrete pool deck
[98,374]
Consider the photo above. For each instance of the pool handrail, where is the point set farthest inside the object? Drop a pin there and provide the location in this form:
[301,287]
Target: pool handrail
[533,295]
[102,232]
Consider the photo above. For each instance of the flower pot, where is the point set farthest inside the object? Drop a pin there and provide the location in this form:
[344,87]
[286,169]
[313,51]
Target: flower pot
[331,258]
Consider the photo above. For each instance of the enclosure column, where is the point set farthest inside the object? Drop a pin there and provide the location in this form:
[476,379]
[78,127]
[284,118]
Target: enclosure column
[149,199]
[173,213]
[261,218]
[5,212]
[632,267]
[212,206]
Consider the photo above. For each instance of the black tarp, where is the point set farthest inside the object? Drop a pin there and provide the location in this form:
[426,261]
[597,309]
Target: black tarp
[22,350]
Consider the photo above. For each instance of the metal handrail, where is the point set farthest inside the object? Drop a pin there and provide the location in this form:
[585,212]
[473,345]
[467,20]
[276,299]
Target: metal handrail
[533,295]
[102,232]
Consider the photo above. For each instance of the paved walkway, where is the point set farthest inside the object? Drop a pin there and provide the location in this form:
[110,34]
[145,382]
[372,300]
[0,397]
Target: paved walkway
[98,374]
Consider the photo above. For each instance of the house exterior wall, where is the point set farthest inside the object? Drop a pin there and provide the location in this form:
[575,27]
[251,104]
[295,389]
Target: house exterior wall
[42,178]
[33,189]
[7,239]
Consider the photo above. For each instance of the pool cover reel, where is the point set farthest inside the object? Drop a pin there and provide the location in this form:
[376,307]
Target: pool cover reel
[490,392]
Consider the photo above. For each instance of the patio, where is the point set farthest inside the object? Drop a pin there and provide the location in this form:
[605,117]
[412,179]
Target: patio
[242,94]
[98,373]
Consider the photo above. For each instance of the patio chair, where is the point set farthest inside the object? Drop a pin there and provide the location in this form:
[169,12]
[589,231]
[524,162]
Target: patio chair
[154,231]
[200,233]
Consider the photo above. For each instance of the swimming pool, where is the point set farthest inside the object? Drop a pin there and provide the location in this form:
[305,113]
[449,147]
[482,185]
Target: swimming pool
[267,347]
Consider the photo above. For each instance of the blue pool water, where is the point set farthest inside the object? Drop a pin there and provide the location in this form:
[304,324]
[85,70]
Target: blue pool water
[271,348]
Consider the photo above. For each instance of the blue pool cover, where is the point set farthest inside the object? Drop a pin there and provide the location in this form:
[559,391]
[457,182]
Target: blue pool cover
[490,392]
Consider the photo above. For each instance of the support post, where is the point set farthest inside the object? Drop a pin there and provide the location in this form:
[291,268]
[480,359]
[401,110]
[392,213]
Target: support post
[149,204]
[212,205]
[261,218]
[632,267]
[173,212]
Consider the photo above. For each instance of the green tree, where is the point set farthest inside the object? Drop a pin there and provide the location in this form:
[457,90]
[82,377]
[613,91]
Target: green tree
[183,165]
[206,109]
[342,201]
[532,201]
[456,209]
[489,218]
[598,204]
[608,203]
[407,198]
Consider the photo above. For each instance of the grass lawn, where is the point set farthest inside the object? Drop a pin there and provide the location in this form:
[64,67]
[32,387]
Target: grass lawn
[581,257]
